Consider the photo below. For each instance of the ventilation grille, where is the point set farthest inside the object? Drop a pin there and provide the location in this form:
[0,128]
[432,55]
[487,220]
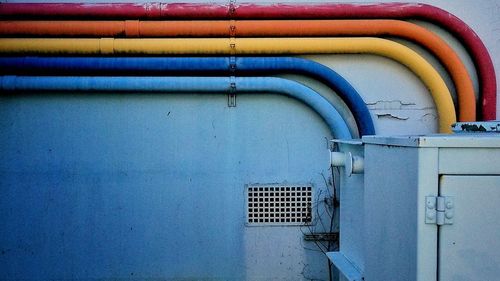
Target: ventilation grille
[278,204]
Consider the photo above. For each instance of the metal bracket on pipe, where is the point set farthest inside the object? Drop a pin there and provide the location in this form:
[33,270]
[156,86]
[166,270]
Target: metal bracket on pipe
[232,46]
[232,28]
[232,8]
[232,64]
[231,98]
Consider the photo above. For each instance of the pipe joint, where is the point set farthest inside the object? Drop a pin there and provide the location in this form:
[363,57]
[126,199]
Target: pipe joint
[132,28]
[337,159]
[352,164]
[358,164]
[106,46]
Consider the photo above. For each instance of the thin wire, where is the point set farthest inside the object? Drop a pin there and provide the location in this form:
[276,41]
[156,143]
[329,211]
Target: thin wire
[334,186]
[319,216]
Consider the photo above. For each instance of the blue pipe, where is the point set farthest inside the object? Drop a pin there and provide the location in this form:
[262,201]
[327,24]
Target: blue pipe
[206,65]
[287,87]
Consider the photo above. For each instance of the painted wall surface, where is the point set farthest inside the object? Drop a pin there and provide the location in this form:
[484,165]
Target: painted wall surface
[136,186]
[151,186]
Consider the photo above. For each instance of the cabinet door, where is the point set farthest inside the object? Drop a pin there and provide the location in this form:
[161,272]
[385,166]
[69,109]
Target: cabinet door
[469,249]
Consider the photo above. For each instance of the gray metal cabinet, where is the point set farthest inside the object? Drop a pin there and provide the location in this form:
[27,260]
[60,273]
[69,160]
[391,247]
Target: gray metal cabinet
[432,208]
[469,249]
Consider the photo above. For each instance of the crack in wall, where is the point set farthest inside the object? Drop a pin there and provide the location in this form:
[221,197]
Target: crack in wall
[391,116]
[428,117]
[392,104]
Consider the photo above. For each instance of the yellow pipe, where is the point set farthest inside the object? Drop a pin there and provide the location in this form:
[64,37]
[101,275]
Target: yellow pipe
[239,46]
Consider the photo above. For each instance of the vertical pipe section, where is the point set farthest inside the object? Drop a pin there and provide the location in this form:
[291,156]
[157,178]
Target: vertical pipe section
[199,65]
[222,85]
[248,46]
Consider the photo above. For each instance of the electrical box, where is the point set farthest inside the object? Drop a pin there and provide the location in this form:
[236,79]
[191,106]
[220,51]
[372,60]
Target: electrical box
[431,207]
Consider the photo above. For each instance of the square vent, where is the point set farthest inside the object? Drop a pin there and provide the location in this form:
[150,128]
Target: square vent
[278,204]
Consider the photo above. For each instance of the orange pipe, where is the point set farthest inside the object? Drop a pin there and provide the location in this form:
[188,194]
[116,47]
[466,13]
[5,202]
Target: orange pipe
[264,28]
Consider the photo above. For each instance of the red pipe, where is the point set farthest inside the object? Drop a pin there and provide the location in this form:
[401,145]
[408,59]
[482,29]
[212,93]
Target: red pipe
[474,45]
[116,10]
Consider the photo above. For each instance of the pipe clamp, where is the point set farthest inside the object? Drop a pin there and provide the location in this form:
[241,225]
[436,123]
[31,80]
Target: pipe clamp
[232,46]
[231,8]
[232,64]
[231,97]
[232,28]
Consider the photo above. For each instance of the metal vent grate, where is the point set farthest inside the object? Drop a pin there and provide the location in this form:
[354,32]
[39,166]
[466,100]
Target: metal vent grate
[278,204]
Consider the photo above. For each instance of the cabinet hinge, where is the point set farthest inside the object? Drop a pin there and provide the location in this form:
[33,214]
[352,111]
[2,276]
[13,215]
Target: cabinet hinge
[439,210]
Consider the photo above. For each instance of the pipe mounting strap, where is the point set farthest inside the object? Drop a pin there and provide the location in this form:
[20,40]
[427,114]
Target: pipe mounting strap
[232,28]
[232,64]
[231,8]
[232,46]
[231,97]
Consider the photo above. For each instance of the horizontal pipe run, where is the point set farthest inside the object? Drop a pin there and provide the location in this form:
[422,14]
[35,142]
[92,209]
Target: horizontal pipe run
[223,85]
[197,65]
[471,41]
[264,28]
[247,46]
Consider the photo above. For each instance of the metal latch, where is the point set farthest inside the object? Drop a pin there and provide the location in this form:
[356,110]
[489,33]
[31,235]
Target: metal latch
[439,210]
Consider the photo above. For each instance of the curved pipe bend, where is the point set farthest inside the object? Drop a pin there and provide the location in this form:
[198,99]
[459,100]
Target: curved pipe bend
[264,28]
[200,65]
[247,46]
[282,86]
[158,10]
